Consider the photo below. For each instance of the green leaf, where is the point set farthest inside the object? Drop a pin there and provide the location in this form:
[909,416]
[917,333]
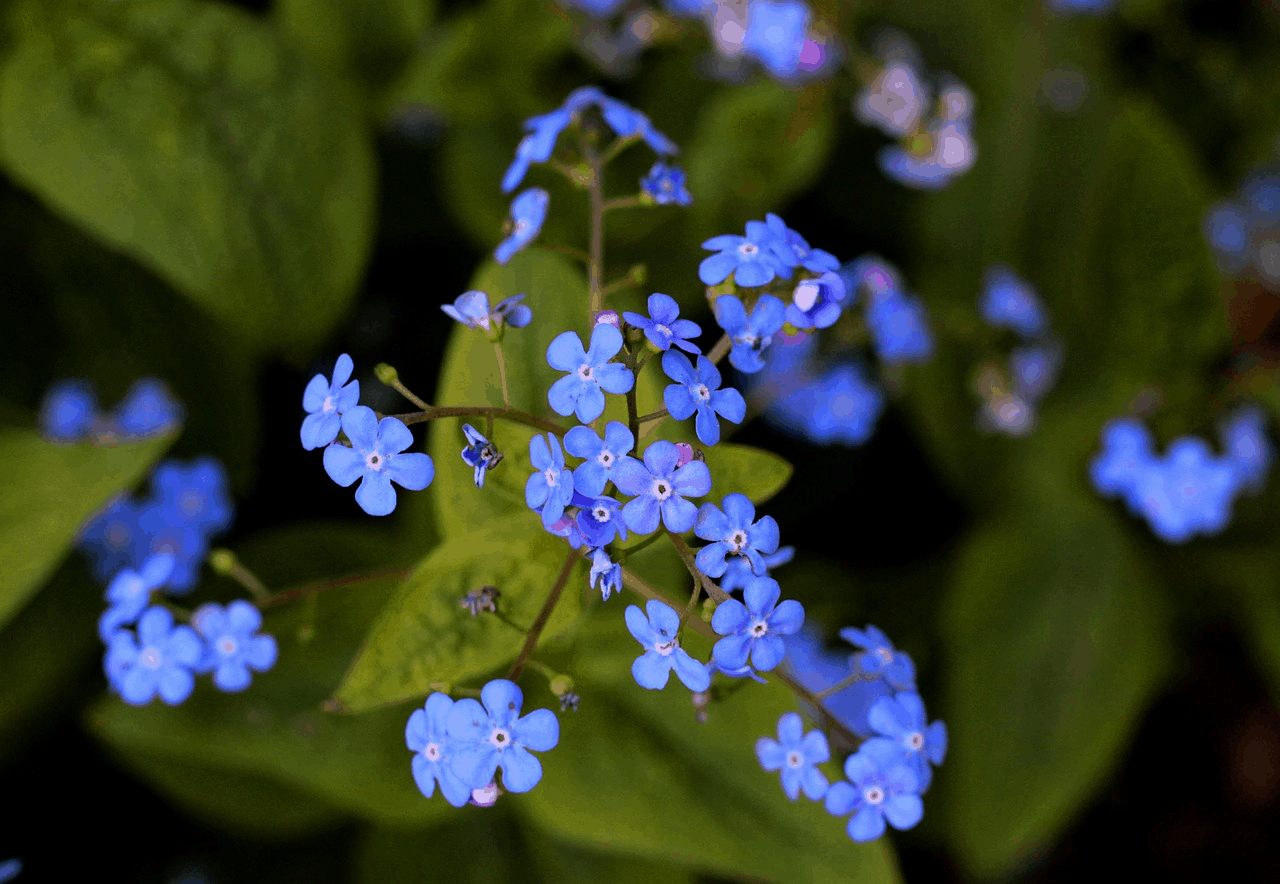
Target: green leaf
[635,773]
[190,137]
[1057,643]
[425,636]
[757,473]
[754,147]
[47,492]
[556,292]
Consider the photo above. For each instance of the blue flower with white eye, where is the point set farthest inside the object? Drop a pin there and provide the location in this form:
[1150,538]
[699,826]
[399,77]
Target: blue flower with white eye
[1186,492]
[130,591]
[591,374]
[189,504]
[1244,436]
[426,735]
[158,660]
[698,392]
[69,411]
[901,720]
[802,255]
[606,571]
[550,489]
[232,645]
[112,538]
[528,211]
[879,658]
[738,568]
[376,458]
[665,185]
[750,334]
[472,310]
[797,755]
[1008,301]
[660,487]
[663,326]
[544,129]
[756,628]
[899,327]
[816,303]
[147,409]
[600,521]
[754,259]
[880,787]
[601,455]
[735,532]
[480,454]
[493,736]
[656,633]
[326,401]
[775,34]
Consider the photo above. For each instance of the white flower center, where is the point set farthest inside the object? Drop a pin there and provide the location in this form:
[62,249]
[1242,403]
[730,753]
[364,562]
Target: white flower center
[585,373]
[500,738]
[884,655]
[432,752]
[874,795]
[601,514]
[666,648]
[660,328]
[133,587]
[916,741]
[605,459]
[150,658]
[759,628]
[191,502]
[118,534]
[738,539]
[661,489]
[806,294]
[227,645]
[375,461]
[552,477]
[701,392]
[329,404]
[748,249]
[793,759]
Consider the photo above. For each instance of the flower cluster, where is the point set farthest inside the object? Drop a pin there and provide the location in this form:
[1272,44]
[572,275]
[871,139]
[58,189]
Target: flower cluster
[462,744]
[1188,490]
[1010,399]
[932,148]
[70,413]
[779,35]
[374,451]
[1245,232]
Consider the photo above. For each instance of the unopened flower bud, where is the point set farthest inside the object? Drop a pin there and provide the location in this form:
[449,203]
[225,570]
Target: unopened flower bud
[387,374]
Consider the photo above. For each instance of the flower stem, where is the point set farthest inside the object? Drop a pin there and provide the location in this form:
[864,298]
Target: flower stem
[653,416]
[595,261]
[686,555]
[502,373]
[303,591]
[540,622]
[622,202]
[839,686]
[721,349]
[514,415]
[625,552]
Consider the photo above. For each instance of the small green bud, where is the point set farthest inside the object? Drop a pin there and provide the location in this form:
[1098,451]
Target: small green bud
[222,561]
[561,685]
[387,374]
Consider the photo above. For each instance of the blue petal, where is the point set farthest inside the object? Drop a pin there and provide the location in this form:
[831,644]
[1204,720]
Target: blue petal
[710,560]
[729,404]
[716,269]
[904,811]
[690,671]
[714,524]
[393,436]
[615,378]
[539,730]
[706,426]
[752,273]
[564,394]
[651,670]
[692,480]
[679,401]
[767,652]
[565,352]
[841,799]
[320,429]
[424,773]
[639,627]
[641,515]
[503,699]
[732,650]
[866,825]
[521,771]
[678,514]
[590,404]
[344,465]
[314,395]
[375,494]
[413,471]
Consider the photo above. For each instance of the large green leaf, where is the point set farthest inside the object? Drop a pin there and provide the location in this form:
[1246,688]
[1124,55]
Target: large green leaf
[47,491]
[1057,642]
[189,136]
[425,636]
[556,292]
[757,473]
[637,774]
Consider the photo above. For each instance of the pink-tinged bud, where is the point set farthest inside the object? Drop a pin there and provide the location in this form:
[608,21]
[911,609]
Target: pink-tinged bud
[686,453]
[562,525]
[608,317]
[485,796]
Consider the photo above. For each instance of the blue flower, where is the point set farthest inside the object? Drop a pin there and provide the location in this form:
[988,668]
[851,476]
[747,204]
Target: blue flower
[802,255]
[797,755]
[591,374]
[601,455]
[1244,436]
[189,505]
[606,571]
[1007,301]
[880,787]
[660,487]
[662,652]
[952,152]
[734,532]
[879,658]
[1127,451]
[113,539]
[69,411]
[754,259]
[816,303]
[540,143]
[486,738]
[599,522]
[894,101]
[627,122]
[663,327]
[750,334]
[158,661]
[232,646]
[426,735]
[130,591]
[1034,370]
[472,310]
[899,328]
[665,185]
[815,667]
[841,407]
[738,569]
[10,869]
[376,458]
[699,392]
[528,211]
[756,628]
[1229,229]
[775,34]
[1187,492]
[551,487]
[147,409]
[326,402]
[902,720]
[480,453]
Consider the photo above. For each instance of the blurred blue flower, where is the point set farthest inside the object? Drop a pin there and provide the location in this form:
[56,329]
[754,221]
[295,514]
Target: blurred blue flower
[231,644]
[879,658]
[775,35]
[1035,370]
[1007,301]
[69,411]
[543,130]
[1128,450]
[528,211]
[147,409]
[129,593]
[901,719]
[1186,492]
[894,101]
[880,787]
[839,408]
[472,310]
[158,660]
[189,505]
[797,755]
[1244,436]
[754,259]
[665,185]
[113,539]
[899,327]
[750,334]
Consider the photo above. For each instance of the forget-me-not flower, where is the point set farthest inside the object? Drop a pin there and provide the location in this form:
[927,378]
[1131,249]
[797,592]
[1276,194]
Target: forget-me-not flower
[130,591]
[655,628]
[663,327]
[797,755]
[480,454]
[550,488]
[1186,492]
[665,185]
[492,736]
[600,520]
[472,310]
[660,488]
[775,34]
[326,401]
[754,259]
[750,334]
[698,392]
[755,628]
[734,531]
[1128,449]
[879,658]
[899,328]
[591,374]
[69,410]
[601,455]
[376,457]
[880,787]
[528,211]
[426,735]
[1244,436]
[113,539]
[816,303]
[1009,301]
[902,721]
[158,660]
[544,129]
[232,645]
[147,409]
[606,571]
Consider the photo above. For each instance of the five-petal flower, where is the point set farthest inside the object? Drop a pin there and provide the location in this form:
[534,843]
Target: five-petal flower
[663,326]
[749,334]
[492,736]
[656,633]
[698,392]
[550,489]
[756,628]
[880,786]
[601,455]
[591,374]
[660,489]
[159,660]
[797,755]
[376,458]
[426,735]
[232,645]
[734,531]
[326,402]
